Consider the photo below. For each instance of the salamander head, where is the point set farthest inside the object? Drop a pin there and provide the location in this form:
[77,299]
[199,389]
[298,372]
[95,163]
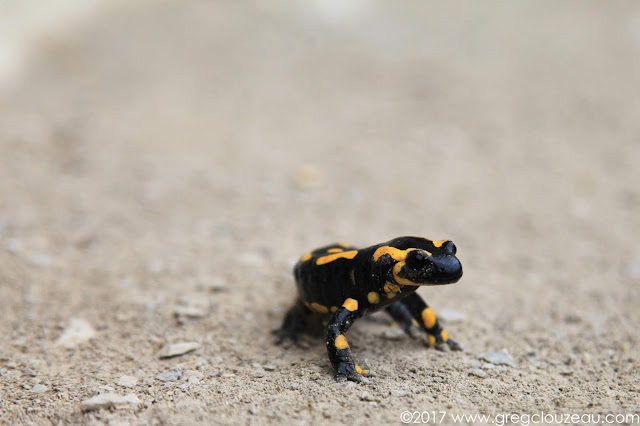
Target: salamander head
[422,262]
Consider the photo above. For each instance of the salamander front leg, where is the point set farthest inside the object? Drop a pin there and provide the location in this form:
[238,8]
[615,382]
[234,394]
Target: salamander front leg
[426,318]
[337,345]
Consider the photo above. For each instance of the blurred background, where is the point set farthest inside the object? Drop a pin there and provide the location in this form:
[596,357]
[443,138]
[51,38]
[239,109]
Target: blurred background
[152,151]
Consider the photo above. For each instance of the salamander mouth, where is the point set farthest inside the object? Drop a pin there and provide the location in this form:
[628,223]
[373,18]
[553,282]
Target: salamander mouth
[450,279]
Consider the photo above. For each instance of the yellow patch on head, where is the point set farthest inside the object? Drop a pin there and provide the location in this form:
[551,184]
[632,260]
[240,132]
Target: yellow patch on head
[331,257]
[396,254]
[351,304]
[403,281]
[341,342]
[373,297]
[439,243]
[428,317]
[319,308]
[306,257]
[432,340]
[335,250]
[444,336]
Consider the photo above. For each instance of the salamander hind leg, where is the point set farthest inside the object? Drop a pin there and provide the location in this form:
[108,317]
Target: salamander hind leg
[337,345]
[294,325]
[426,318]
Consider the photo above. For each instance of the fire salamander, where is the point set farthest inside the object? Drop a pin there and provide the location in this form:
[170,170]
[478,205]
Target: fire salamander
[346,283]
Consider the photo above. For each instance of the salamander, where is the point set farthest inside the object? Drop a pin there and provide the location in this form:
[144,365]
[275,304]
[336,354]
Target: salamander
[344,283]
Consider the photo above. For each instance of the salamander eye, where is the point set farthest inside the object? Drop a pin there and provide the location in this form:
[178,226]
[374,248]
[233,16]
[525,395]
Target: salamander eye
[416,259]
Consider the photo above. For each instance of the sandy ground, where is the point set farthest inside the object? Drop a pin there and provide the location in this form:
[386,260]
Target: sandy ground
[163,166]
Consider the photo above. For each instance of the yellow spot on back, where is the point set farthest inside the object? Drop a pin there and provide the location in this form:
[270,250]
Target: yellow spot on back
[391,289]
[373,297]
[439,243]
[351,304]
[306,257]
[331,257]
[444,335]
[341,342]
[432,340]
[345,245]
[319,308]
[335,250]
[400,280]
[414,322]
[428,317]
[334,308]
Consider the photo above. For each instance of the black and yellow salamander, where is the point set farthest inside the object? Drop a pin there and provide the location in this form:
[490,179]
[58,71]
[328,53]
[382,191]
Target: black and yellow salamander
[346,283]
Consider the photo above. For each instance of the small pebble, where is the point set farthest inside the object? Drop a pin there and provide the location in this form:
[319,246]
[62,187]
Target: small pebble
[190,312]
[393,333]
[269,367]
[252,410]
[192,376]
[40,259]
[169,376]
[572,318]
[78,331]
[400,392]
[29,372]
[39,389]
[214,285]
[498,358]
[633,268]
[366,396]
[258,373]
[252,259]
[346,384]
[157,266]
[108,400]
[290,385]
[478,372]
[13,246]
[127,381]
[451,316]
[171,350]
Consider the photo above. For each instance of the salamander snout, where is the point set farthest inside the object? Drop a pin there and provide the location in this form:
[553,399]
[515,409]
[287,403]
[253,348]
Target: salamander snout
[423,268]
[448,268]
[449,247]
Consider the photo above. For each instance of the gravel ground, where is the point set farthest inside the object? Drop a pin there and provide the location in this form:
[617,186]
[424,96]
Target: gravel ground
[164,164]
